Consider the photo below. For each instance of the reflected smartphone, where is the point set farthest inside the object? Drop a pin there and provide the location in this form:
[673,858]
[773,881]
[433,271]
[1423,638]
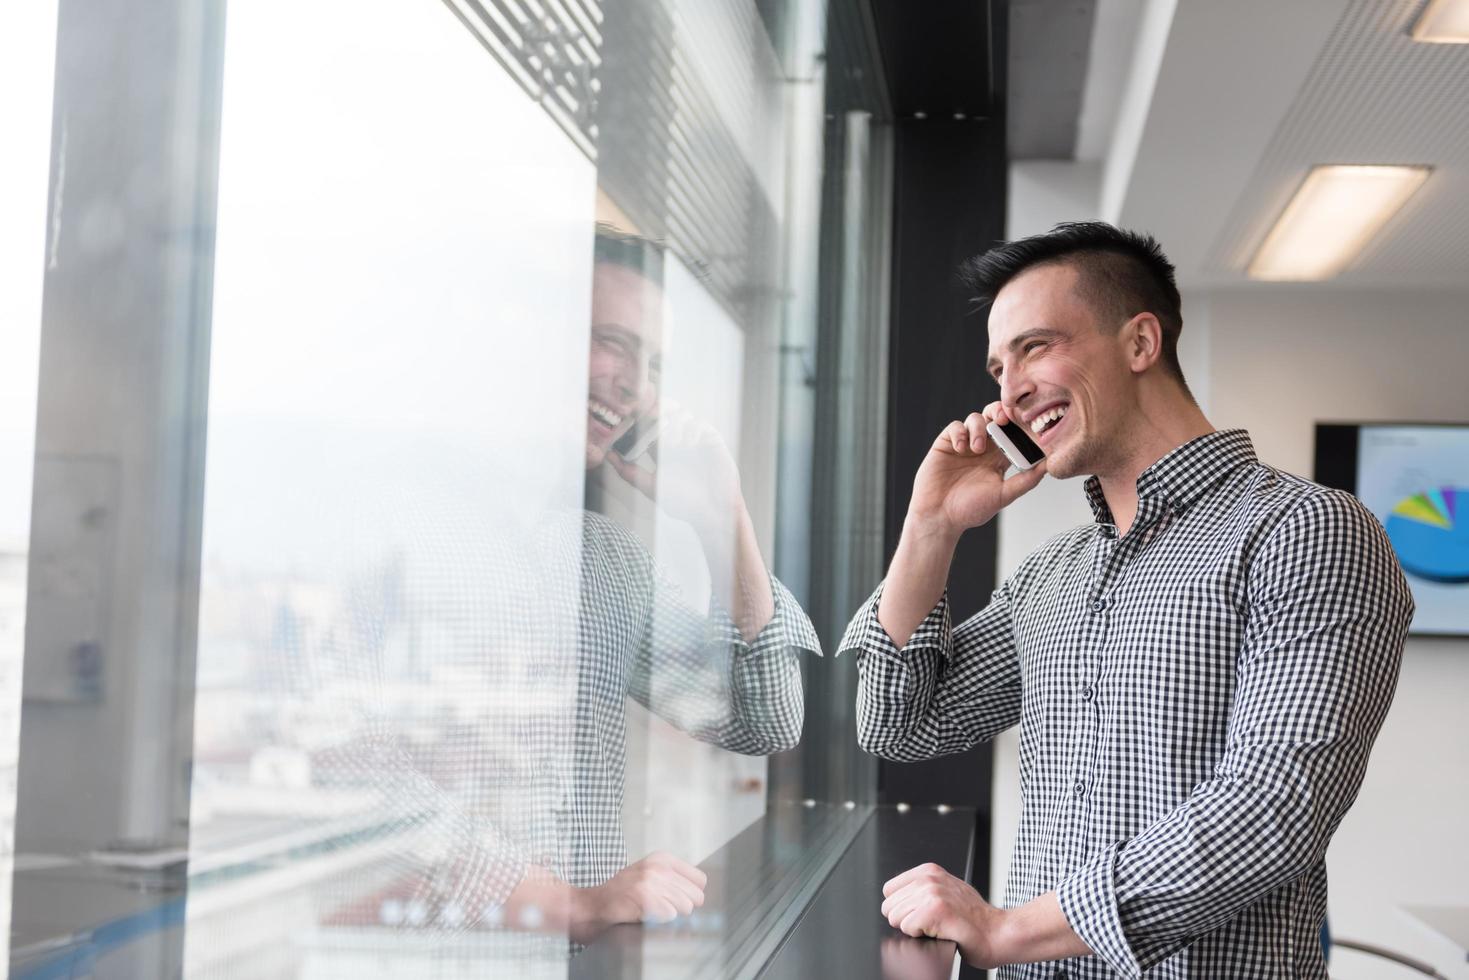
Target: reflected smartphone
[1017,445]
[638,440]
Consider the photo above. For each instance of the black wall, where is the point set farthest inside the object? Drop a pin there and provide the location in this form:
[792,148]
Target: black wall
[948,204]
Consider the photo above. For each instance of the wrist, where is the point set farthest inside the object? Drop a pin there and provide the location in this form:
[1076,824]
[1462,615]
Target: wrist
[931,529]
[586,916]
[1036,931]
[1006,936]
[719,523]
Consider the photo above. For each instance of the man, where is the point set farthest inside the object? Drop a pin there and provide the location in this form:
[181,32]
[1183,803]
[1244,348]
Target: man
[1199,675]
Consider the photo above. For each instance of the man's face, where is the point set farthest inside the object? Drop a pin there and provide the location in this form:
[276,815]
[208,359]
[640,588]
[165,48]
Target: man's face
[626,339]
[1050,358]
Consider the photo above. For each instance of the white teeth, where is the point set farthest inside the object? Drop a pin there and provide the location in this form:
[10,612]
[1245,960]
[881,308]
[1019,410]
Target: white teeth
[1040,421]
[604,414]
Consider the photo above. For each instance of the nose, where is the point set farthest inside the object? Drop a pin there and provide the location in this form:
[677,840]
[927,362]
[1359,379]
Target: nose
[629,375]
[634,378]
[627,385]
[1015,390]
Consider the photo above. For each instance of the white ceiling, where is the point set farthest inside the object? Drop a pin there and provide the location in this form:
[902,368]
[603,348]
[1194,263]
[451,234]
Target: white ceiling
[1113,35]
[1250,94]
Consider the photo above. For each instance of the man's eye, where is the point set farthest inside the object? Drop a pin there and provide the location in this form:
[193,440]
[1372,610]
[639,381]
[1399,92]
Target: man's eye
[1033,345]
[611,340]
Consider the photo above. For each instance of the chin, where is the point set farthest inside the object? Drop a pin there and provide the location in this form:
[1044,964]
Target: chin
[1062,466]
[1057,468]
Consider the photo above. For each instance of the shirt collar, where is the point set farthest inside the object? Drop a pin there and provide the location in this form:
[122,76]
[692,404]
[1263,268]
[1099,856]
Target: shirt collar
[1182,476]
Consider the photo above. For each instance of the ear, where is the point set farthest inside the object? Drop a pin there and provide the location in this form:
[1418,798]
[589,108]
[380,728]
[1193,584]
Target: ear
[1142,339]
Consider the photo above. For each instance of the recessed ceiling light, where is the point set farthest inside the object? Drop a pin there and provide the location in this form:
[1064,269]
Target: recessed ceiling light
[1333,215]
[1443,22]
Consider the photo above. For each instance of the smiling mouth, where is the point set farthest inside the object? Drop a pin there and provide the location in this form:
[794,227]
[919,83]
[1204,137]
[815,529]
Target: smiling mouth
[603,413]
[1043,423]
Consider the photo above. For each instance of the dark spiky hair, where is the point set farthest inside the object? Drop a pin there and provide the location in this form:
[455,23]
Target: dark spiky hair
[1120,274]
[642,255]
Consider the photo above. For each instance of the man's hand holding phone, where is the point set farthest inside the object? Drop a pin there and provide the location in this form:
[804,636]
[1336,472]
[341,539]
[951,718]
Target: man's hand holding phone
[960,485]
[693,477]
[696,481]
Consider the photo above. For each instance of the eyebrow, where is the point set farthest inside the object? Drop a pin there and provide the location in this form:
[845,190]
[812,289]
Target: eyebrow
[628,333]
[1042,333]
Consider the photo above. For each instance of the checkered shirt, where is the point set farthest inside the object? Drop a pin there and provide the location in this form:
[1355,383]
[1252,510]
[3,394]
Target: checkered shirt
[553,628]
[1196,699]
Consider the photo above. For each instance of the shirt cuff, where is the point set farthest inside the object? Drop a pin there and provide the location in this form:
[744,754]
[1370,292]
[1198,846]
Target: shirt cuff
[865,634]
[789,628]
[1088,899]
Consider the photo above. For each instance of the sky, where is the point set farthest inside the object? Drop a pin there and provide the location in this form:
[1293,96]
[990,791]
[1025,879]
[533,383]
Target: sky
[27,54]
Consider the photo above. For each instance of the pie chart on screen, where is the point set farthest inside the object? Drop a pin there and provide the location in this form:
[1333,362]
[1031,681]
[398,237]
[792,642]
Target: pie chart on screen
[1430,533]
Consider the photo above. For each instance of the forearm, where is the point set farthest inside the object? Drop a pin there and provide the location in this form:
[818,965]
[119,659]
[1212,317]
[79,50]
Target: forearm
[738,573]
[1231,844]
[540,902]
[916,579]
[1035,932]
[945,689]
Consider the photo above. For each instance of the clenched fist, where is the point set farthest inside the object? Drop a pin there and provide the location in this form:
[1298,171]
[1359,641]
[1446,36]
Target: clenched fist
[928,901]
[658,888]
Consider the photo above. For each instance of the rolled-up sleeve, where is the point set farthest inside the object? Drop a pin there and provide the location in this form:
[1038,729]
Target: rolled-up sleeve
[1328,612]
[701,675]
[944,691]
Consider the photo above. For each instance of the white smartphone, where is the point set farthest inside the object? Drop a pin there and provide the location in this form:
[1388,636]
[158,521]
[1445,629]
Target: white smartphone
[1016,444]
[638,440]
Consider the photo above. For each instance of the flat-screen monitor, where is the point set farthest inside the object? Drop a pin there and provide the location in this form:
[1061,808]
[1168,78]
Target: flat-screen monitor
[1415,478]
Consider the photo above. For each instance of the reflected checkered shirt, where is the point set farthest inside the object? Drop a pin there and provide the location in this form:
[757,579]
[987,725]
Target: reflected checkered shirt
[557,626]
[1196,700]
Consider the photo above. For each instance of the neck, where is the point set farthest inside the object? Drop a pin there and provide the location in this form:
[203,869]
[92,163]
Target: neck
[1166,419]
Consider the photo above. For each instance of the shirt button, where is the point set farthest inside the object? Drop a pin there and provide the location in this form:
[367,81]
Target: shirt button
[1099,605]
[1079,788]
[1060,975]
[1088,693]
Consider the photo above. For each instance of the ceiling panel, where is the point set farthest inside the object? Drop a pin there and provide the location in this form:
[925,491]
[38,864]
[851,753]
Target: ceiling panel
[1049,42]
[1373,95]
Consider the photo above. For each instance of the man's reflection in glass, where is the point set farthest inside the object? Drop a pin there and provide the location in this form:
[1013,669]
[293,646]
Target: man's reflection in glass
[731,678]
[530,839]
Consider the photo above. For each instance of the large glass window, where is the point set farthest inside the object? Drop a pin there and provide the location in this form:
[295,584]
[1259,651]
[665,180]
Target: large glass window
[26,70]
[434,409]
